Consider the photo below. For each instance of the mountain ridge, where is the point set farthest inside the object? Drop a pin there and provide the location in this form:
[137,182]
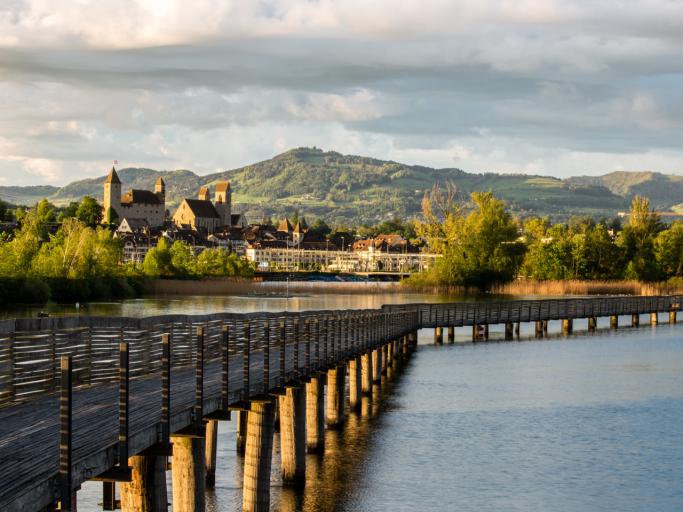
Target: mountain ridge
[354,189]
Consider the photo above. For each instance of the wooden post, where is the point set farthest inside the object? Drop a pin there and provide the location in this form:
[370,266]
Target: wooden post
[654,318]
[241,434]
[146,492]
[451,334]
[292,407]
[613,321]
[123,404]
[188,474]
[486,331]
[592,323]
[367,373]
[517,328]
[539,328]
[336,379]
[210,451]
[475,332]
[567,326]
[258,457]
[315,414]
[438,335]
[246,353]
[355,382]
[672,317]
[508,330]
[384,349]
[635,320]
[376,365]
[67,495]
[225,367]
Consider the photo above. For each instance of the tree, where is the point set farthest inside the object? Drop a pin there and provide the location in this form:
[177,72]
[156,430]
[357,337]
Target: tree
[669,250]
[45,211]
[183,259]
[89,212]
[68,212]
[637,241]
[479,246]
[157,262]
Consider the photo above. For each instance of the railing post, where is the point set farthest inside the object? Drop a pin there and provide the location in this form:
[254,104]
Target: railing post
[65,438]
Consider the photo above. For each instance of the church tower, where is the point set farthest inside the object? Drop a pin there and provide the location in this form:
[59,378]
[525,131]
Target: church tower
[112,194]
[204,194]
[223,202]
[160,189]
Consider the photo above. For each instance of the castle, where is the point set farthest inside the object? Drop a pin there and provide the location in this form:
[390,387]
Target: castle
[203,214]
[135,204]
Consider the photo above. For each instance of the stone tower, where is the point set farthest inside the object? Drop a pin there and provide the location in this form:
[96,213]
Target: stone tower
[204,194]
[223,202]
[112,194]
[160,189]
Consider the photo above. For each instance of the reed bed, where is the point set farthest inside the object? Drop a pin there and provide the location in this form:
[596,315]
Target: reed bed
[580,287]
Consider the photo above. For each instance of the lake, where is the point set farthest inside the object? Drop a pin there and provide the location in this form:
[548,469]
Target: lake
[584,422]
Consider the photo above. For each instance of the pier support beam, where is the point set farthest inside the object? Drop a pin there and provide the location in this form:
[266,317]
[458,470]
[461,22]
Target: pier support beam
[241,434]
[438,335]
[635,320]
[367,373]
[539,328]
[654,318]
[508,331]
[336,380]
[486,331]
[258,457]
[385,357]
[146,492]
[613,322]
[377,365]
[672,317]
[592,323]
[293,435]
[451,334]
[355,383]
[567,326]
[210,451]
[315,414]
[188,474]
[517,328]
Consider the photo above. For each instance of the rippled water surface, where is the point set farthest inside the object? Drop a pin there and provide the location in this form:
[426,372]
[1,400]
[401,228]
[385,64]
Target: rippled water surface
[586,422]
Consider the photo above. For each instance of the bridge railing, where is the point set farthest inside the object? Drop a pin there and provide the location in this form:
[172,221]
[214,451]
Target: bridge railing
[471,313]
[30,349]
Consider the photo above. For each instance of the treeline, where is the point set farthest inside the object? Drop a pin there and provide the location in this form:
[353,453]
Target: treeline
[79,262]
[483,245]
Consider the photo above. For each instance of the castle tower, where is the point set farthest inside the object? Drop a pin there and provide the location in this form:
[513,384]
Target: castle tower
[160,189]
[223,202]
[204,194]
[112,194]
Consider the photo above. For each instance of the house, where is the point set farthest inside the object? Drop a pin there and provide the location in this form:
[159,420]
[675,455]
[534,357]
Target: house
[135,204]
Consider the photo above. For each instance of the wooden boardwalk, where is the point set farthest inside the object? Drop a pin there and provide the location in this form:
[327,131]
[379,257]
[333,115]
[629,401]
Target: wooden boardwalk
[226,358]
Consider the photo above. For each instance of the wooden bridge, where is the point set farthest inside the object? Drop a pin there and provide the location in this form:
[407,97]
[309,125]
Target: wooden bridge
[116,399]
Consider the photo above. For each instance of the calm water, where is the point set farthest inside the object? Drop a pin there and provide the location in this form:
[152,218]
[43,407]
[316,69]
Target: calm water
[588,422]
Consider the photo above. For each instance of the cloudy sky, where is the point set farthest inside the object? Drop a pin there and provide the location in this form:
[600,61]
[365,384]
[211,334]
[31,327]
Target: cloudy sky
[557,87]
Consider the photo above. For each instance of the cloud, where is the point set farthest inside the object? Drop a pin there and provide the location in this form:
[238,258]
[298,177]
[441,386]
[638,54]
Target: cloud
[548,86]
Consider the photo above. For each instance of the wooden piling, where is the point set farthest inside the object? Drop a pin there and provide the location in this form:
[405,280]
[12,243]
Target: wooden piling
[567,326]
[241,434]
[451,334]
[517,328]
[376,365]
[367,373]
[539,328]
[613,321]
[336,379]
[146,492]
[293,435]
[635,320]
[592,323]
[385,357]
[508,330]
[672,317]
[210,451]
[315,414]
[355,383]
[486,331]
[258,457]
[654,318]
[188,474]
[438,335]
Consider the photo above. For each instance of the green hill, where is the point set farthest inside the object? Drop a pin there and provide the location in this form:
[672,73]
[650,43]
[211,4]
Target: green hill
[354,189]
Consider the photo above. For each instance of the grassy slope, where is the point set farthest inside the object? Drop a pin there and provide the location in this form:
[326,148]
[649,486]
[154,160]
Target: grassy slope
[346,188]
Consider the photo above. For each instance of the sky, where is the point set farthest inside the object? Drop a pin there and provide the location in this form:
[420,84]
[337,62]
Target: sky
[546,87]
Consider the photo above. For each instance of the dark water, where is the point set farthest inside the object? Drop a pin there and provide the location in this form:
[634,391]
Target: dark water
[588,422]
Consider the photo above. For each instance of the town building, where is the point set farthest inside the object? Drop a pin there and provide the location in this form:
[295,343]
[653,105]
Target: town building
[208,216]
[135,204]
